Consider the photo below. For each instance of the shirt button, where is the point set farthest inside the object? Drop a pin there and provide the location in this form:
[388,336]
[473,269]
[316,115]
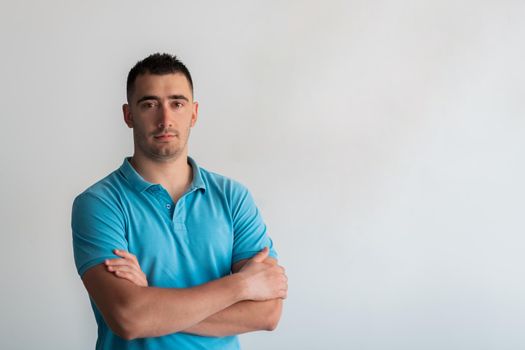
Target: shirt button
[168,206]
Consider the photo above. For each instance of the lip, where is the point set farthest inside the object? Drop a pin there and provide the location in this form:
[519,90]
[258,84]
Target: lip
[164,137]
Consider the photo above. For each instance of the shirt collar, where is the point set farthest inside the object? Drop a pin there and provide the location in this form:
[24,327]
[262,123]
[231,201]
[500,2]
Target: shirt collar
[197,181]
[139,184]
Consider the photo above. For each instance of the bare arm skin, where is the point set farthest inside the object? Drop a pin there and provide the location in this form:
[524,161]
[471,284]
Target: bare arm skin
[242,317]
[133,311]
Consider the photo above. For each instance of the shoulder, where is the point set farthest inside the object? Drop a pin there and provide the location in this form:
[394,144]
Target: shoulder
[234,194]
[219,184]
[105,192]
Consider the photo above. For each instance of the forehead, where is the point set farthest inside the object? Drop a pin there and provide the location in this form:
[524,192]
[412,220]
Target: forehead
[161,85]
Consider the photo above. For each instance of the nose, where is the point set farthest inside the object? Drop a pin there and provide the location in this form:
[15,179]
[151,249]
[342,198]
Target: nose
[165,118]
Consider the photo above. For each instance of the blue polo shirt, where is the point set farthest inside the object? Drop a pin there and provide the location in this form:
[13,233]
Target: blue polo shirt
[178,245]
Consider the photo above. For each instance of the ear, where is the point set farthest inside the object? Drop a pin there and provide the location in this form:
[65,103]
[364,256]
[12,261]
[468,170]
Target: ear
[128,119]
[195,113]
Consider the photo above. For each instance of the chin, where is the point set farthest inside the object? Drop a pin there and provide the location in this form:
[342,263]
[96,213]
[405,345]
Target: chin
[166,155]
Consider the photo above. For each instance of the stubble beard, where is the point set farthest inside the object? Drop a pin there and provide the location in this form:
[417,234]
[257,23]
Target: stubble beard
[162,151]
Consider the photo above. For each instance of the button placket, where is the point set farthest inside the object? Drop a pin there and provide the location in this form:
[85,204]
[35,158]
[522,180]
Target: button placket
[163,198]
[179,215]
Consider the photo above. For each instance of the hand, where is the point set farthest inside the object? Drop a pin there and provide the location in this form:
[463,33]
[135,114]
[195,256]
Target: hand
[264,281]
[127,267]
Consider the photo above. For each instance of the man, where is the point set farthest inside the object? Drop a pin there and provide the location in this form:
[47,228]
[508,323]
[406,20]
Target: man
[195,236]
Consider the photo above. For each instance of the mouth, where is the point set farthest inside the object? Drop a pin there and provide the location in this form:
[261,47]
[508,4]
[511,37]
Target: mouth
[164,137]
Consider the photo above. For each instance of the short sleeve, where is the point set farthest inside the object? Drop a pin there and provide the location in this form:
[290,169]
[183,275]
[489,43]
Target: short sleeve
[249,229]
[98,228]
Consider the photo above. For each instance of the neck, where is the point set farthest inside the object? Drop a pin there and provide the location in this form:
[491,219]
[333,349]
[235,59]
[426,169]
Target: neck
[175,175]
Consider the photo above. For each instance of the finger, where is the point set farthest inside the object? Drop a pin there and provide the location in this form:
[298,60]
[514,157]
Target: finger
[263,254]
[132,276]
[120,262]
[128,269]
[122,269]
[125,254]
[128,276]
[270,261]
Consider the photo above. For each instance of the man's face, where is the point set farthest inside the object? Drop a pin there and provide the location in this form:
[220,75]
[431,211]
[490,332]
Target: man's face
[161,112]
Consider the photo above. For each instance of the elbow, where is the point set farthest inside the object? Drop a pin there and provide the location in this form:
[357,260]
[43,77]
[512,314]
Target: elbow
[271,325]
[125,332]
[273,317]
[124,329]
[124,324]
[127,335]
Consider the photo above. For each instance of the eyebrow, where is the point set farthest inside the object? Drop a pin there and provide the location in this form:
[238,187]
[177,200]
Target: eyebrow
[156,98]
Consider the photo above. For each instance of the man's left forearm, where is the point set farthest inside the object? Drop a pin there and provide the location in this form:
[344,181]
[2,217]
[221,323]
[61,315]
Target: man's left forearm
[242,317]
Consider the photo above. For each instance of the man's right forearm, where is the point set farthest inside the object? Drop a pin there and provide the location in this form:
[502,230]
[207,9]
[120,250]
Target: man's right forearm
[242,317]
[138,312]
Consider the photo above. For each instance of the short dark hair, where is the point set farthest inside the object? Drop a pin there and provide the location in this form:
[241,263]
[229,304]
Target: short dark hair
[159,64]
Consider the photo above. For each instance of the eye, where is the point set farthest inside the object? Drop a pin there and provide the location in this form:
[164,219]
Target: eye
[149,105]
[177,104]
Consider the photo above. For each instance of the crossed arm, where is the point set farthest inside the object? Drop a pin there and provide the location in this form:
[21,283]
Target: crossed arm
[242,317]
[249,299]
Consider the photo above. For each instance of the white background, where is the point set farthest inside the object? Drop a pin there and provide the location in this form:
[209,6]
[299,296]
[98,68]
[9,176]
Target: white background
[382,140]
